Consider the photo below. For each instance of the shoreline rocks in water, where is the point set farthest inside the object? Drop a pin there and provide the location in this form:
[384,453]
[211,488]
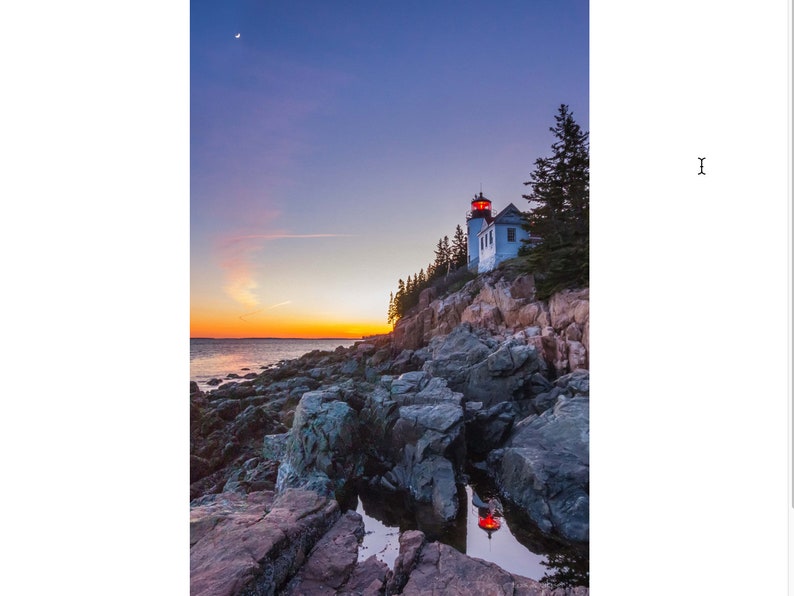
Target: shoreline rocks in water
[485,376]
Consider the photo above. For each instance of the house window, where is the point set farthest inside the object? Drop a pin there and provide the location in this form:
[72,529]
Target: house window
[482,245]
[491,237]
[511,234]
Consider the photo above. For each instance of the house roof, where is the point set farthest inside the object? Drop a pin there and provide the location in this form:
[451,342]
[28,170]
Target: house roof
[508,215]
[510,210]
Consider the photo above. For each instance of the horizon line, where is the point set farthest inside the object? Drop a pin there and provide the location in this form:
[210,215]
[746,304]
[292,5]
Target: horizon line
[309,338]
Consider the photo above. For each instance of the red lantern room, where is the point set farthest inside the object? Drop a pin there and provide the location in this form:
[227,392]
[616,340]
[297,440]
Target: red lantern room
[480,206]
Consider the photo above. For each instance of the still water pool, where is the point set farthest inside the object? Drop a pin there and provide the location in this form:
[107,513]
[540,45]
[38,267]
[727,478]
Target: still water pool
[517,546]
[500,546]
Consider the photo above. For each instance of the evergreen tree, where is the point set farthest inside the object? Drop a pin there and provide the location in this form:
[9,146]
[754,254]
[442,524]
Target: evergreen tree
[431,272]
[440,265]
[391,317]
[412,290]
[460,253]
[567,569]
[560,215]
[447,255]
[399,299]
[436,267]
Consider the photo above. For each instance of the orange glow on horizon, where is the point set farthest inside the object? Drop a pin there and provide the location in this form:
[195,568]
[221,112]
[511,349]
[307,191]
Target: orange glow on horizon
[224,326]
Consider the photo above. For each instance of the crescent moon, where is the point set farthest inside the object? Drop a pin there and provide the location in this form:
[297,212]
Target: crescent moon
[237,36]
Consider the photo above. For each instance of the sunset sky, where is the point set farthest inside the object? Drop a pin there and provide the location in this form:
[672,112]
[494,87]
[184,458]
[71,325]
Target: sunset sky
[332,145]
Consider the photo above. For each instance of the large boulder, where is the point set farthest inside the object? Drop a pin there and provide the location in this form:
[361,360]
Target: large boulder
[415,424]
[507,374]
[488,428]
[484,369]
[367,579]
[432,429]
[241,545]
[569,306]
[544,468]
[332,560]
[427,442]
[452,355]
[377,416]
[411,544]
[255,474]
[253,423]
[322,449]
[498,304]
[570,385]
[433,480]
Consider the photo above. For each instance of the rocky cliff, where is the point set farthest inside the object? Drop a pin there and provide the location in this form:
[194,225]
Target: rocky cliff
[505,306]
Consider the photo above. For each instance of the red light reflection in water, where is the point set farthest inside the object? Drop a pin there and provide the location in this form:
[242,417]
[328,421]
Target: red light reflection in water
[489,523]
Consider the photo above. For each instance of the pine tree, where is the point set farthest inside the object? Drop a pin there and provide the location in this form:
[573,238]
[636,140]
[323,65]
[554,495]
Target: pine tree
[440,265]
[391,317]
[560,215]
[447,254]
[437,267]
[399,300]
[460,253]
[412,290]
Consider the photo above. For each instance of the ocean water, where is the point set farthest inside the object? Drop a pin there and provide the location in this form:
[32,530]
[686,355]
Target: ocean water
[216,358]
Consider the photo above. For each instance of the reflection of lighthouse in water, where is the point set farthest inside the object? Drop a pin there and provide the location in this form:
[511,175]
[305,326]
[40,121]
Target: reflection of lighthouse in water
[489,523]
[487,512]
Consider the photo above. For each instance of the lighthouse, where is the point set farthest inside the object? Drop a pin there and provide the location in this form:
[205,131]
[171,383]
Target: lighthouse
[493,239]
[476,219]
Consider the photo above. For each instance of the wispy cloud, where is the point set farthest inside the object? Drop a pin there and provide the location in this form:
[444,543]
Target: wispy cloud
[236,260]
[242,288]
[239,255]
[280,236]
[256,312]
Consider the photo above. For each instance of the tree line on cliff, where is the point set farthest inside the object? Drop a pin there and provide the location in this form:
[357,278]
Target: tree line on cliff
[558,222]
[449,256]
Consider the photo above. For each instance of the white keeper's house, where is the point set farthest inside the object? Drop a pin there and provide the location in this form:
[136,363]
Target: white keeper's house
[493,238]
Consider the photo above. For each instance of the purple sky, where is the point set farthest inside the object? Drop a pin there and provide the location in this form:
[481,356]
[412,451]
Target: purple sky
[332,144]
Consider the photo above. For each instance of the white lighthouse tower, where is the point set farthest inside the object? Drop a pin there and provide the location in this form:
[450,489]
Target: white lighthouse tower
[476,219]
